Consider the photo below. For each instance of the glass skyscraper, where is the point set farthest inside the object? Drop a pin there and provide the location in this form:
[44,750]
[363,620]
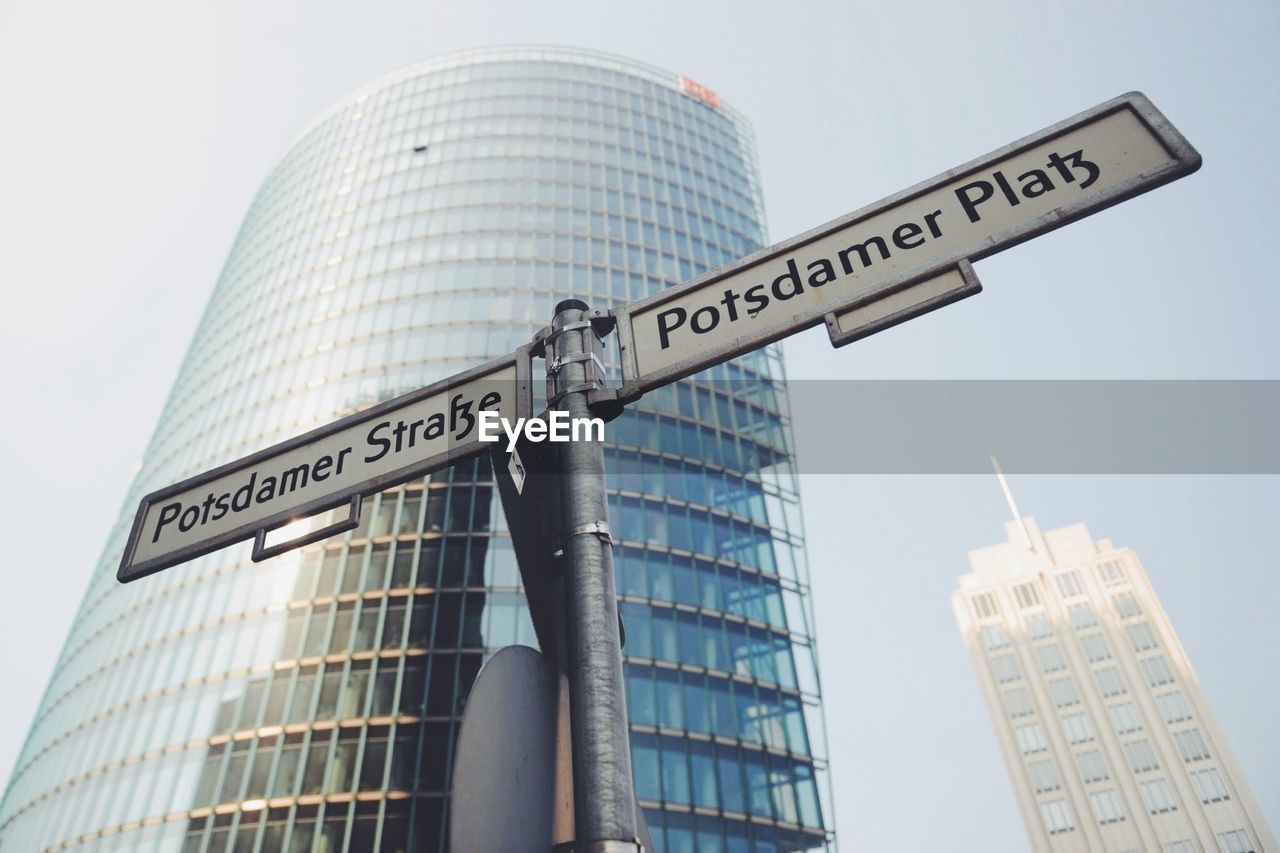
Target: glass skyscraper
[427,223]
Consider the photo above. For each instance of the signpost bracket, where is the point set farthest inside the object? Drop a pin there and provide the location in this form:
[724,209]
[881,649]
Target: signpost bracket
[607,403]
[559,354]
[604,403]
[263,552]
[917,294]
[603,321]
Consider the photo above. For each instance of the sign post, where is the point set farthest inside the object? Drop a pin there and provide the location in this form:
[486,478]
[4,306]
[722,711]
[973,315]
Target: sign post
[604,800]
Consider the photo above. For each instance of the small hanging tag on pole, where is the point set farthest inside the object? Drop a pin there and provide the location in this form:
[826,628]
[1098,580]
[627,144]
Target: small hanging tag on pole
[515,465]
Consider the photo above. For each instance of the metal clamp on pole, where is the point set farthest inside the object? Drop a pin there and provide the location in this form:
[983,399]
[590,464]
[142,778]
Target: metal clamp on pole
[572,343]
[599,529]
[605,813]
[554,366]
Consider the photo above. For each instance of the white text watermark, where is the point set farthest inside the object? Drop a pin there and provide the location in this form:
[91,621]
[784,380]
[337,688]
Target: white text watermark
[559,426]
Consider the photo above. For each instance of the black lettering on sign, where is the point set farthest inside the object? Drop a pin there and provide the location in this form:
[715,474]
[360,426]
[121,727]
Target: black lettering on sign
[375,440]
[1071,168]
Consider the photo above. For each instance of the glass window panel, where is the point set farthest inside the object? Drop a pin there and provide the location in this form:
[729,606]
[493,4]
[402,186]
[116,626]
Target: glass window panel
[702,767]
[286,771]
[263,760]
[646,767]
[729,775]
[372,764]
[675,771]
[670,706]
[697,710]
[1092,766]
[317,760]
[1043,775]
[758,786]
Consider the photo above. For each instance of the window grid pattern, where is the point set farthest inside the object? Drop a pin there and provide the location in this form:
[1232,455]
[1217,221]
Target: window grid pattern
[423,225]
[1091,641]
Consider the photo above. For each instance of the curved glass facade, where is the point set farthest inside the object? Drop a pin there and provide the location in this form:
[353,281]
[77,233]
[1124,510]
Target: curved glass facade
[425,224]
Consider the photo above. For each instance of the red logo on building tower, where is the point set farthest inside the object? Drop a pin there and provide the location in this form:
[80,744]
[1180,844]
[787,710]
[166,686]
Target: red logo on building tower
[699,91]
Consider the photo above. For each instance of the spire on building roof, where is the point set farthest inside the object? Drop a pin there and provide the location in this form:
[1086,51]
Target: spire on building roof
[1013,507]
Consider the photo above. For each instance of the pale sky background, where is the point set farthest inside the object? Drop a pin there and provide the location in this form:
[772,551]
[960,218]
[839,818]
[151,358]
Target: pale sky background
[135,134]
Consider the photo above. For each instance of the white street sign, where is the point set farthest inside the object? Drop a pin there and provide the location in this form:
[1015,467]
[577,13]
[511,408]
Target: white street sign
[914,241]
[879,266]
[391,443]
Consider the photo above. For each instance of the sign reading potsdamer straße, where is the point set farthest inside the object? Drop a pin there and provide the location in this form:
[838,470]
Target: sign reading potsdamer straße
[919,240]
[395,441]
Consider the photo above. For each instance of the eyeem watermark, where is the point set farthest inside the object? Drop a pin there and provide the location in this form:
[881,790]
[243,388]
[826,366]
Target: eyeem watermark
[559,426]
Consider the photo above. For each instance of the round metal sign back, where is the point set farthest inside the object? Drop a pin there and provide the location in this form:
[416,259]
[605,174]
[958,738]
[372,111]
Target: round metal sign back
[512,791]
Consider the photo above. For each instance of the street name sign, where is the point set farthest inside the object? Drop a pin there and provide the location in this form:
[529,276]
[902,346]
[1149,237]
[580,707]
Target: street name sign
[909,252]
[391,443]
[879,266]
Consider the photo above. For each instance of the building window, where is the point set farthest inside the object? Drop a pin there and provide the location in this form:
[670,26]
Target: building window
[984,605]
[1077,729]
[1125,717]
[1026,595]
[1191,745]
[995,637]
[1039,627]
[1063,692]
[1018,701]
[1068,584]
[1126,605]
[1092,766]
[1141,756]
[1173,706]
[1111,572]
[1044,776]
[1141,637]
[1209,786]
[1184,846]
[1106,806]
[1051,658]
[1030,738]
[1057,817]
[1082,616]
[1236,841]
[1095,647]
[1110,681]
[1157,796]
[1005,668]
[1157,671]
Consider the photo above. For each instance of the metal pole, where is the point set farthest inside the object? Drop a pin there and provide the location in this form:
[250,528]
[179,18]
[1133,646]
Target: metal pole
[604,800]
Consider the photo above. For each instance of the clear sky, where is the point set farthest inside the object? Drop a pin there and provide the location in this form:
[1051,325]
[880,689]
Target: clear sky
[137,132]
